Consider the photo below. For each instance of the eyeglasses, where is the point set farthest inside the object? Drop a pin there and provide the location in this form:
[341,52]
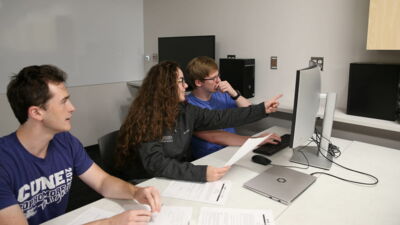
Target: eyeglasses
[182,80]
[214,78]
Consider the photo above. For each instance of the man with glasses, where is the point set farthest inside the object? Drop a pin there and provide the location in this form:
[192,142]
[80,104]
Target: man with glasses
[211,93]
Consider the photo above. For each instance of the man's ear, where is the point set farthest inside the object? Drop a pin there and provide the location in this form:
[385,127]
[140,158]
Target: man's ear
[198,83]
[35,112]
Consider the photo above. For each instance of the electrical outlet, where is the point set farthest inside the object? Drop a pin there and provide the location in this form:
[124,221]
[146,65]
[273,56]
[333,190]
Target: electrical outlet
[319,61]
[274,62]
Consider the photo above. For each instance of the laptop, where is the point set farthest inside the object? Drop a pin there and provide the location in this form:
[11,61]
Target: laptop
[280,184]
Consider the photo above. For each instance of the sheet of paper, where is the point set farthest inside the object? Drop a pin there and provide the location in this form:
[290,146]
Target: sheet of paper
[136,206]
[211,192]
[247,146]
[91,214]
[169,215]
[172,215]
[228,216]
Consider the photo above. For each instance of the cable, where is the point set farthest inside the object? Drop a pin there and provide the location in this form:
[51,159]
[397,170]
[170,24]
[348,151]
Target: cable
[351,181]
[298,167]
[356,171]
[333,150]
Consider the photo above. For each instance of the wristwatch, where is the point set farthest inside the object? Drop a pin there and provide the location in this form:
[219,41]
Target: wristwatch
[237,96]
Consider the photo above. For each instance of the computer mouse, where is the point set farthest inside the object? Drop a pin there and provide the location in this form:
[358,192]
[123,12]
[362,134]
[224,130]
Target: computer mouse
[260,160]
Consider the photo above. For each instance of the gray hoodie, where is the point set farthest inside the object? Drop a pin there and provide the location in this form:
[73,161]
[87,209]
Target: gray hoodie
[170,157]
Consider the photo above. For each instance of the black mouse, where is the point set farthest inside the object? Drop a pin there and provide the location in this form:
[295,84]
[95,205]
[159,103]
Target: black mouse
[260,160]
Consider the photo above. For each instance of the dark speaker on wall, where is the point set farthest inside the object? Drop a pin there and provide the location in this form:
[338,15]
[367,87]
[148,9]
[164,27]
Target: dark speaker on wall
[374,90]
[239,73]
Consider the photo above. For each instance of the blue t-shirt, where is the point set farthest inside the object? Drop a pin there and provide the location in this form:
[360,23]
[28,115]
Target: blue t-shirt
[40,186]
[218,100]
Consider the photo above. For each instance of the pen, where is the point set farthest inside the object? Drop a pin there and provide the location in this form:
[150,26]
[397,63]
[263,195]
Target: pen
[265,223]
[220,191]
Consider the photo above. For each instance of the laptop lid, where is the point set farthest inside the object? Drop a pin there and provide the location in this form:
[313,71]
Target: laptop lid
[280,184]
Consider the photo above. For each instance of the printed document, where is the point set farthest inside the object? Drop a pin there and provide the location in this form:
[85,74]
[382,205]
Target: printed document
[211,192]
[229,216]
[172,215]
[248,146]
[169,215]
[90,215]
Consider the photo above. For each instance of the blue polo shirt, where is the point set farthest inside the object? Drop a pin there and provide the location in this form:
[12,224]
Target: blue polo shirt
[217,101]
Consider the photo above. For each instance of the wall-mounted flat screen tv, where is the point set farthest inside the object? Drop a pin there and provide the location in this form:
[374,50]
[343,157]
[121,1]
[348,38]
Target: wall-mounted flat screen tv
[183,49]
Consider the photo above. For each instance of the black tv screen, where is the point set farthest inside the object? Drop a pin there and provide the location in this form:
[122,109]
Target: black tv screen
[184,49]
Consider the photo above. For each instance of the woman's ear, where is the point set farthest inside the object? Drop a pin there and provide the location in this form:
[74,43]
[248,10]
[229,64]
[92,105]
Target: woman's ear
[35,112]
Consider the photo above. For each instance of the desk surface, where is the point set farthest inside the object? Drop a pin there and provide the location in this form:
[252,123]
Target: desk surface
[327,201]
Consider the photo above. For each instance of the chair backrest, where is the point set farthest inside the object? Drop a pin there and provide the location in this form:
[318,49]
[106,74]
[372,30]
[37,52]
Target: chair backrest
[107,145]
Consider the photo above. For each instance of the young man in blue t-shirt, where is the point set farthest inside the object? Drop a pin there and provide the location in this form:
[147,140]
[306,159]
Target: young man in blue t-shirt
[38,161]
[211,93]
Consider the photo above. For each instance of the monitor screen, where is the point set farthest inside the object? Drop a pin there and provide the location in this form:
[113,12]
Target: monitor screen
[305,109]
[184,49]
[306,105]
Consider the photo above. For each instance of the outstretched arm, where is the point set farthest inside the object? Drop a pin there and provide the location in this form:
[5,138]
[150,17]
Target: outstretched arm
[272,104]
[230,139]
[112,187]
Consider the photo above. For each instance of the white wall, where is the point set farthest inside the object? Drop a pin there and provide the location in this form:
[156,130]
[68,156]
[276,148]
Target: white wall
[94,41]
[99,109]
[290,29]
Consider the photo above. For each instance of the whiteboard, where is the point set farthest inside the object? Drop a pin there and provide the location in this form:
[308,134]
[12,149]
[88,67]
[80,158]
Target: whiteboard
[93,41]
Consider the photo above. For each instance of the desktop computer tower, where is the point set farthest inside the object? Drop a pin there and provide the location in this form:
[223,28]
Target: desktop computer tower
[374,90]
[239,73]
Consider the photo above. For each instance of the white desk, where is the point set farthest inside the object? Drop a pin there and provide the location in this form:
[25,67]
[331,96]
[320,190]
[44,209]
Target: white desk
[327,201]
[331,201]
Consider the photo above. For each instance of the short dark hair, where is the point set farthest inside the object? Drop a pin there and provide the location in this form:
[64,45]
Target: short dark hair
[30,88]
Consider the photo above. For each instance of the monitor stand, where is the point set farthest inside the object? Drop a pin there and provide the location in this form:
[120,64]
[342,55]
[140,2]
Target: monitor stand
[310,155]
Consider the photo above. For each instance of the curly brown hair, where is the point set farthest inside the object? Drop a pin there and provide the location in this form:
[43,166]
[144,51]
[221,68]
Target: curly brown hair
[154,109]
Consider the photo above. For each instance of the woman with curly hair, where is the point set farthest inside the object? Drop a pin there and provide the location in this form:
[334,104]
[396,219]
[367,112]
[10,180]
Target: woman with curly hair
[154,140]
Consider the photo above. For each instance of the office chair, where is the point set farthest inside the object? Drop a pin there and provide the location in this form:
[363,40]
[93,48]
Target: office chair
[107,145]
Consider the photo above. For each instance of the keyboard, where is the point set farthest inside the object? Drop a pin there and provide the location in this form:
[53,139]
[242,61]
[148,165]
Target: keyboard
[270,149]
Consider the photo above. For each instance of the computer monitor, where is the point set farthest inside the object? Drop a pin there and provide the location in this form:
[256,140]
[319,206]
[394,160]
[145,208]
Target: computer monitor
[307,101]
[185,48]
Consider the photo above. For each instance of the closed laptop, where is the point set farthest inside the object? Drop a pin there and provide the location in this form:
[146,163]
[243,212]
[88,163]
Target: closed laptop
[280,184]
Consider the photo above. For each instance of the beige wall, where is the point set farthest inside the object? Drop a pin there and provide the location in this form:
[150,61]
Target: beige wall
[99,110]
[290,29]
